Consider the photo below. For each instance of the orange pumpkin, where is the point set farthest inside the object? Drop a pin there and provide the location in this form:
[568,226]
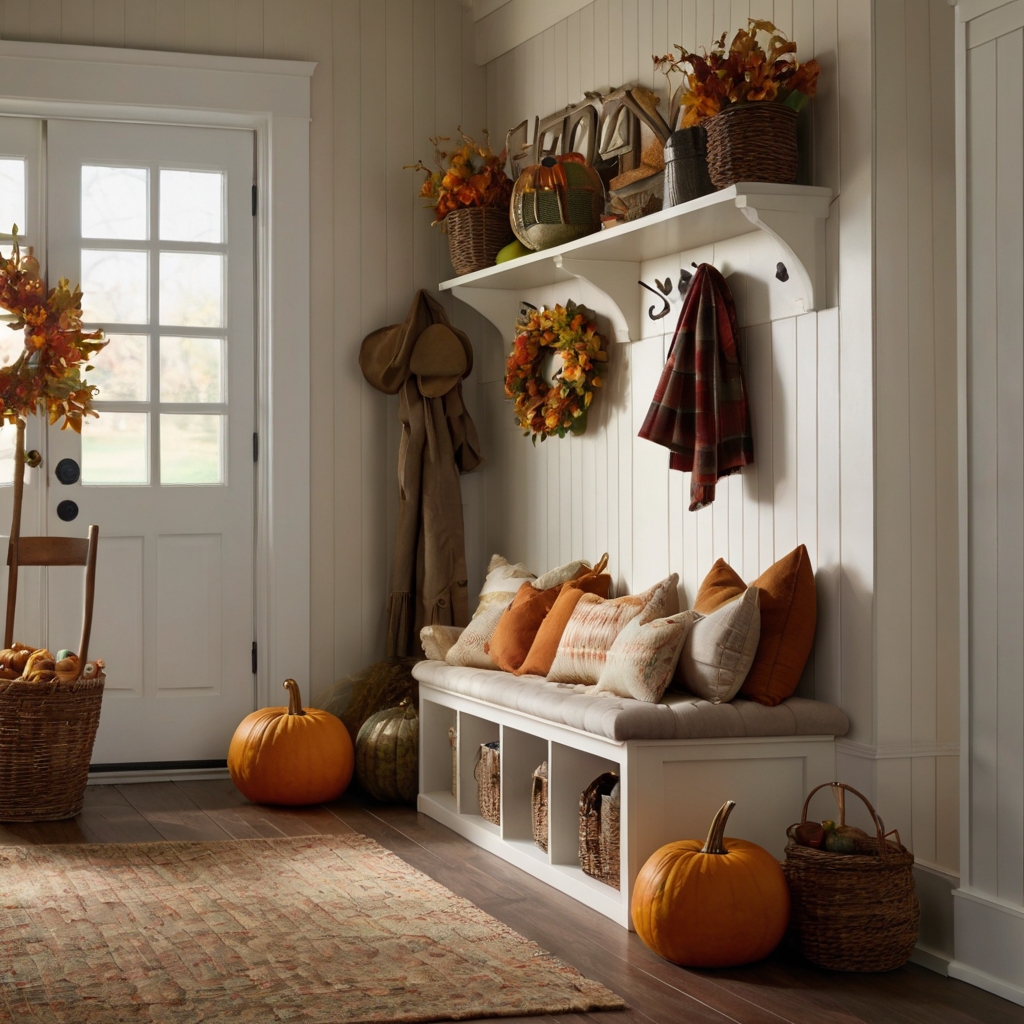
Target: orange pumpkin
[291,755]
[720,904]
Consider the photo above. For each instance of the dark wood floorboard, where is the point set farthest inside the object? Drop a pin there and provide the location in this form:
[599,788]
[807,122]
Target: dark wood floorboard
[780,990]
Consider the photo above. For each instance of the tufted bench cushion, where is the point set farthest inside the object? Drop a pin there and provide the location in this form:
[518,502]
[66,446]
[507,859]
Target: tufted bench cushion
[681,716]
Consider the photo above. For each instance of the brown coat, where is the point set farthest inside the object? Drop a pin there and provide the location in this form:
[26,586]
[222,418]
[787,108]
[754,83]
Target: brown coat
[439,440]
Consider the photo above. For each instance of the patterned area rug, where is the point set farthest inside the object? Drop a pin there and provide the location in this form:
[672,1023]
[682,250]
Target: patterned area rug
[306,930]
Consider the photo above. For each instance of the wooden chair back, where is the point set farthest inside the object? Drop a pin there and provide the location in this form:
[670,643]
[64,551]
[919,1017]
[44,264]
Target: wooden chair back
[54,551]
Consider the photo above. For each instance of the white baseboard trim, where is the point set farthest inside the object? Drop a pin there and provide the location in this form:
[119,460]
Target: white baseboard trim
[1003,989]
[934,961]
[157,775]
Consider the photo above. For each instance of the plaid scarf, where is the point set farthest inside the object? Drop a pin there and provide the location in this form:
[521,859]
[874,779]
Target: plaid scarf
[700,410]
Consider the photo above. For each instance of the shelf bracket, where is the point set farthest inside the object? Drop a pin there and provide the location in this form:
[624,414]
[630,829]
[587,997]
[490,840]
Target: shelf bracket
[498,305]
[617,281]
[801,237]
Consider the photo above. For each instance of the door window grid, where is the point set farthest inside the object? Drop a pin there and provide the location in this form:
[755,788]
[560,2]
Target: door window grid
[166,414]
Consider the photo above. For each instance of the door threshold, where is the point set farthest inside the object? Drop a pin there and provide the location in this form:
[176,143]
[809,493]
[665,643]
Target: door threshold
[156,771]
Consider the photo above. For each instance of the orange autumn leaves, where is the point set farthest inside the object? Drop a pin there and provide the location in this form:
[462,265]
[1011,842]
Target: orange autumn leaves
[749,72]
[560,407]
[475,176]
[48,371]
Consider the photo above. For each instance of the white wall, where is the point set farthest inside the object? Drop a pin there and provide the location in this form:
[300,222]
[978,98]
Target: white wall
[389,75]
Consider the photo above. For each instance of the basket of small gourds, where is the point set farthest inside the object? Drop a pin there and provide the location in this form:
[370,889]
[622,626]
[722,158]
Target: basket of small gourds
[854,905]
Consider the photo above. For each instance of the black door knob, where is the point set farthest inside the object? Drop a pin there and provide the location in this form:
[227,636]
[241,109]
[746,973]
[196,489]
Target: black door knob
[67,471]
[67,510]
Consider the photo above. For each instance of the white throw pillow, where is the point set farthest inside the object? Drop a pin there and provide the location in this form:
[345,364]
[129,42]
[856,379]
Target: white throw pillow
[438,640]
[643,657]
[468,650]
[501,583]
[720,649]
[564,573]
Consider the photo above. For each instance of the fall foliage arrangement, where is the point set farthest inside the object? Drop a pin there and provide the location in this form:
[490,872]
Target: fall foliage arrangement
[49,370]
[470,175]
[560,407]
[759,66]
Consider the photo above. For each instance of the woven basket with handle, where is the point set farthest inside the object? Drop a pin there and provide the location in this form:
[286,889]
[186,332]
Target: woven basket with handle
[752,142]
[853,911]
[599,830]
[476,235]
[539,806]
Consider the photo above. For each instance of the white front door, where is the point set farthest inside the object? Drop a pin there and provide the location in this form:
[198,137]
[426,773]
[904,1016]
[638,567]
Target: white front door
[156,223]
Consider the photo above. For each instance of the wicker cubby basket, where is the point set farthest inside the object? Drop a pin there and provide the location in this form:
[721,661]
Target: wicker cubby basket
[476,235]
[599,830]
[539,806]
[487,773]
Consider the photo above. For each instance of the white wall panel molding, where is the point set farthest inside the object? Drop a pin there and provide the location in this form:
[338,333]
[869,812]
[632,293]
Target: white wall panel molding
[502,25]
[996,23]
[989,932]
[884,752]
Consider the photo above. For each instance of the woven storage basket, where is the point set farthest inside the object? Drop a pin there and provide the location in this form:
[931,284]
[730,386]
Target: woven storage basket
[487,773]
[752,142]
[539,806]
[453,739]
[46,736]
[853,911]
[599,830]
[476,235]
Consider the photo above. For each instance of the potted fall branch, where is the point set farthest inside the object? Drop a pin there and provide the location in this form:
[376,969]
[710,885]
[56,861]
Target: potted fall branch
[470,193]
[48,718]
[748,98]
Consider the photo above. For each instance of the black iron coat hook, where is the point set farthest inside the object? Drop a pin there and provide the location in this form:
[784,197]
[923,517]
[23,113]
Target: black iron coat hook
[650,311]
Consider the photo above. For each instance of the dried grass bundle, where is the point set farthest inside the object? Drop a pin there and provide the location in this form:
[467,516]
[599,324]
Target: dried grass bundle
[384,684]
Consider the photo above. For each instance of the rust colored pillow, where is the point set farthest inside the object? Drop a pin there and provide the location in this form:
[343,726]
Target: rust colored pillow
[720,586]
[545,643]
[517,627]
[789,613]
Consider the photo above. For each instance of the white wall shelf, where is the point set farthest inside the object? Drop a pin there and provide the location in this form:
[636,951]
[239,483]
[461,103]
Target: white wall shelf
[793,215]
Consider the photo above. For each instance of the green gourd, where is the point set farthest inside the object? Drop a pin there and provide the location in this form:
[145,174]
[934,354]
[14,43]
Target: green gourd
[387,754]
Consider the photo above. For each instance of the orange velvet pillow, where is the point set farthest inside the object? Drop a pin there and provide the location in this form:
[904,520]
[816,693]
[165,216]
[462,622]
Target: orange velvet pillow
[720,586]
[545,643]
[789,614]
[511,640]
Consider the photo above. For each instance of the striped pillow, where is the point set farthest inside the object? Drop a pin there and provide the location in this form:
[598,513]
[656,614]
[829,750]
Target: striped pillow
[643,657]
[594,625]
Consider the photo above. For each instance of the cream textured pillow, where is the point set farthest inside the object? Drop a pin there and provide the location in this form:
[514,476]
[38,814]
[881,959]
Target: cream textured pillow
[643,657]
[469,650]
[501,583]
[564,573]
[594,625]
[437,640]
[720,649]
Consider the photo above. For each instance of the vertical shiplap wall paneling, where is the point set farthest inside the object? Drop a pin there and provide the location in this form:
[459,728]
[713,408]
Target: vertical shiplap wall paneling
[915,367]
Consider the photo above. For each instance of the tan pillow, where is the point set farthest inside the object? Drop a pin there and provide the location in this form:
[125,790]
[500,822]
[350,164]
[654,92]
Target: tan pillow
[594,625]
[720,649]
[564,573]
[643,657]
[438,640]
[469,648]
[721,585]
[501,583]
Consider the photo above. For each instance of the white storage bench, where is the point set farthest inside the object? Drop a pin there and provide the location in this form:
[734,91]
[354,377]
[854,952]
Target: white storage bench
[677,762]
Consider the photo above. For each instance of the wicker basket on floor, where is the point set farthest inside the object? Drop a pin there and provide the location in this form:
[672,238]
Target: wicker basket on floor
[46,736]
[599,830]
[539,806]
[853,911]
[752,142]
[476,235]
[487,773]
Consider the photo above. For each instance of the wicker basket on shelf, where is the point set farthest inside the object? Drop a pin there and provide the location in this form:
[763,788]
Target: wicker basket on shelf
[599,830]
[487,773]
[752,142]
[453,739]
[46,736]
[853,911]
[539,806]
[476,234]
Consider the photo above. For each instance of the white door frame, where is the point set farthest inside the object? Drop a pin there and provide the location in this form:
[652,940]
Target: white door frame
[270,97]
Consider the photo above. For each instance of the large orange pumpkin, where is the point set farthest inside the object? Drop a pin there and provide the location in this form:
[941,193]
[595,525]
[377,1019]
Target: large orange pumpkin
[291,755]
[720,904]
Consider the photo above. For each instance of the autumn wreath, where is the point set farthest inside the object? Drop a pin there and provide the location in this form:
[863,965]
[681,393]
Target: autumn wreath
[558,407]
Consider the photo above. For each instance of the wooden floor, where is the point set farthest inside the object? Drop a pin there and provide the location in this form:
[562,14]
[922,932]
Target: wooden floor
[777,990]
